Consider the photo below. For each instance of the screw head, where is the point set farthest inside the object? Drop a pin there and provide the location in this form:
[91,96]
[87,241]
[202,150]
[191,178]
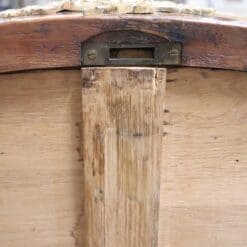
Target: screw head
[92,54]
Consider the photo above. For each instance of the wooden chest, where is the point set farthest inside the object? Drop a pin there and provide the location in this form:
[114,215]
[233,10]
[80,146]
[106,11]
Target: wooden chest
[106,153]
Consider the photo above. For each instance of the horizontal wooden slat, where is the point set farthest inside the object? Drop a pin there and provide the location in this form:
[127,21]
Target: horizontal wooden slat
[55,41]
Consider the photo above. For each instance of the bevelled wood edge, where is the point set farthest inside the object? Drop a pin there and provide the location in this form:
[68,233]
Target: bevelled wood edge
[55,41]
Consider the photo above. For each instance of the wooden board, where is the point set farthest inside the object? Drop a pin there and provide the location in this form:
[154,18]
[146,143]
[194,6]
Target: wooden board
[40,164]
[55,41]
[204,176]
[204,159]
[122,111]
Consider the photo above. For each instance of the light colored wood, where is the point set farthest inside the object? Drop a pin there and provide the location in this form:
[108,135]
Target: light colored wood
[204,161]
[40,164]
[122,111]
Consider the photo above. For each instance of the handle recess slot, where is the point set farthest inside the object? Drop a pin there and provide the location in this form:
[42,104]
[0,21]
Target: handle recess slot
[107,54]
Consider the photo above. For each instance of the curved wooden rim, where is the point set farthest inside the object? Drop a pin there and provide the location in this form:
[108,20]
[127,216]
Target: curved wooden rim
[55,41]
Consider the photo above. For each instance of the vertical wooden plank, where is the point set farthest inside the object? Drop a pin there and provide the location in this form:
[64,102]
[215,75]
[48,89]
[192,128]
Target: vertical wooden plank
[203,198]
[121,143]
[41,202]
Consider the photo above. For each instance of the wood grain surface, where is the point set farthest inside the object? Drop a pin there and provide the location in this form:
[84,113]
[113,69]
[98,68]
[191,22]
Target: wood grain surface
[204,159]
[122,111]
[55,41]
[41,201]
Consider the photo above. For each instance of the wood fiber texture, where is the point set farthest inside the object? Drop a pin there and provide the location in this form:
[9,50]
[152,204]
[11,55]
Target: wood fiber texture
[204,159]
[41,202]
[55,41]
[122,111]
[203,162]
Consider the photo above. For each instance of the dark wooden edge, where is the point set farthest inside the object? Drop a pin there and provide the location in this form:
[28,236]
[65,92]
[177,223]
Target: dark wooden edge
[55,41]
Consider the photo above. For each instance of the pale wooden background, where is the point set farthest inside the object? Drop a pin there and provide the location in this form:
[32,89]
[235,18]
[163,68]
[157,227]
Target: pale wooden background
[204,160]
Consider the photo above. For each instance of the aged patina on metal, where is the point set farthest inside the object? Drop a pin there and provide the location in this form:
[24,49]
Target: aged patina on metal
[105,54]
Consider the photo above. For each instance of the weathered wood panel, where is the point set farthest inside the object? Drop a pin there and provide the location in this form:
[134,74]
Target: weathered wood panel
[40,164]
[204,163]
[204,159]
[55,41]
[122,110]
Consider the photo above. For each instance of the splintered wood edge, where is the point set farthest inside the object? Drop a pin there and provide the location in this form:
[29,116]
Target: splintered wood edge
[54,41]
